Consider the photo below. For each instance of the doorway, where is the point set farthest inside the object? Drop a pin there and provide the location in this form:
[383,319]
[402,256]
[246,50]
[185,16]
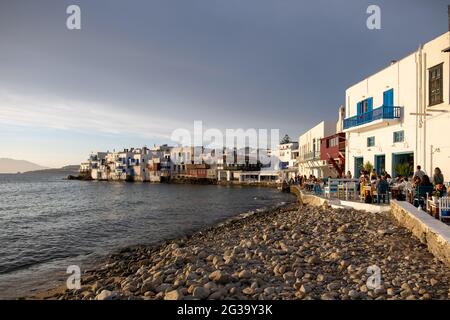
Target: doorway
[359,161]
[380,164]
[402,163]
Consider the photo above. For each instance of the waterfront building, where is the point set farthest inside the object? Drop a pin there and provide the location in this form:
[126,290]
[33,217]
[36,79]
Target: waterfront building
[332,148]
[399,117]
[286,156]
[94,162]
[160,166]
[309,159]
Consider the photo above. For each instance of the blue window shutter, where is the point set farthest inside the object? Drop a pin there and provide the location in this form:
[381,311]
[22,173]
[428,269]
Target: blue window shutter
[388,98]
[369,104]
[359,108]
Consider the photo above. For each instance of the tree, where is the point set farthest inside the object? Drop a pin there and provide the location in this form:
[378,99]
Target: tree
[286,139]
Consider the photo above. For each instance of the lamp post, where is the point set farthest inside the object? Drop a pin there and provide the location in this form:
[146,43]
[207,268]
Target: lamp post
[433,150]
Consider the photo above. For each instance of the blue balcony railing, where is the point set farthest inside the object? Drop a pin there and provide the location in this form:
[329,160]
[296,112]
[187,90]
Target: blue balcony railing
[383,112]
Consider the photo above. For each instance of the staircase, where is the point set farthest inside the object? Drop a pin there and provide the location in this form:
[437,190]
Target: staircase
[339,167]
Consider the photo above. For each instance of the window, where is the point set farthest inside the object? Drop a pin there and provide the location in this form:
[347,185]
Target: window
[370,141]
[399,136]
[435,85]
[365,106]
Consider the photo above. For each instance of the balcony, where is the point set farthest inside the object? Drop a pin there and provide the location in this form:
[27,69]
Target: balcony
[374,116]
[309,156]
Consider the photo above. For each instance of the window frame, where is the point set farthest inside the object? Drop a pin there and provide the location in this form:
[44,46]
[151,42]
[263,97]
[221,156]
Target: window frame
[438,99]
[371,138]
[402,135]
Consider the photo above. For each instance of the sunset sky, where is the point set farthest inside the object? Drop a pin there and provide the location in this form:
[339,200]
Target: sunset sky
[137,70]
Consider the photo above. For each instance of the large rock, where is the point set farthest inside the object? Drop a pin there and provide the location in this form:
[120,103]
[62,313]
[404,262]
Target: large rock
[201,293]
[219,277]
[173,295]
[105,295]
[244,274]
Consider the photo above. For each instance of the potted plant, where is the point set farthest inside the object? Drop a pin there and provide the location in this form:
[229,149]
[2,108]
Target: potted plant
[368,167]
[435,197]
[403,169]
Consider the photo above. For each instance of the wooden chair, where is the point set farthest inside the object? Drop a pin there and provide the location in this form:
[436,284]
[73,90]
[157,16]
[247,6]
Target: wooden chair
[350,190]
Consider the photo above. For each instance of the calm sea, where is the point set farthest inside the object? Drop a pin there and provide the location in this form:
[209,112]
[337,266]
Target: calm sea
[48,223]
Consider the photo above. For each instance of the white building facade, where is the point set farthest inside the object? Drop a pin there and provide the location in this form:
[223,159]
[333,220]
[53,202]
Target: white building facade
[309,162]
[401,114]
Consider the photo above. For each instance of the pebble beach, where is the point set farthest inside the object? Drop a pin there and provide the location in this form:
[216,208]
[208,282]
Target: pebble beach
[293,252]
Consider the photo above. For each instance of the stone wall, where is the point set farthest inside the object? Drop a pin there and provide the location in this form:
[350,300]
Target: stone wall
[430,231]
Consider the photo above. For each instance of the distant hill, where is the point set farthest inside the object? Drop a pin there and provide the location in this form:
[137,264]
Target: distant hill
[72,169]
[13,166]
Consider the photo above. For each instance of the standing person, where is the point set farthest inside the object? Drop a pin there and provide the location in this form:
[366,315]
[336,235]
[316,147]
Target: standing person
[438,177]
[419,173]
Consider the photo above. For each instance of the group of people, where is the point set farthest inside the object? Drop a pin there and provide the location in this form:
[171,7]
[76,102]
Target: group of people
[302,179]
[420,178]
[384,181]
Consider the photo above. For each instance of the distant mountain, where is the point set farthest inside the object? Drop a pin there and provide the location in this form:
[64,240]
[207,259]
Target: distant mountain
[13,166]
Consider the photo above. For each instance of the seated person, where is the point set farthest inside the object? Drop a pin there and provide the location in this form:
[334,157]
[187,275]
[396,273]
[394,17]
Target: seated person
[425,181]
[425,186]
[348,175]
[438,178]
[416,181]
[440,190]
[373,176]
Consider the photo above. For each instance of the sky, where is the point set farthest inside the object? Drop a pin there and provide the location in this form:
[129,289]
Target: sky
[137,70]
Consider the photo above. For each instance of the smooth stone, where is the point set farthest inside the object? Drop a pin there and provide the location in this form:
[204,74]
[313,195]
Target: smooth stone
[173,295]
[105,295]
[201,293]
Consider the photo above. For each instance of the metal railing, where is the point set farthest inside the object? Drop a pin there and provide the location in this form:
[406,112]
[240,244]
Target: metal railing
[383,112]
[310,156]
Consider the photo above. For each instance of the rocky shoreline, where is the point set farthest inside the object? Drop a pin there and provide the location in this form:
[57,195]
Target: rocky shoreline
[293,252]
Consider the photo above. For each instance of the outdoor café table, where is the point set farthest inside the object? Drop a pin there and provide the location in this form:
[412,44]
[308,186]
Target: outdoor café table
[395,190]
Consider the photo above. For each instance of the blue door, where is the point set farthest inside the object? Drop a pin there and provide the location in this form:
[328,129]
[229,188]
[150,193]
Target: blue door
[358,165]
[380,164]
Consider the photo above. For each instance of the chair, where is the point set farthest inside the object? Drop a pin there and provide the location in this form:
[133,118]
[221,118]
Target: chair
[350,190]
[367,190]
[444,208]
[332,187]
[420,197]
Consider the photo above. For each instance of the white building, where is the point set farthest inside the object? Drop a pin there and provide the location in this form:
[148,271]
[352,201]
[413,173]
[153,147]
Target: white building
[287,154]
[401,113]
[309,161]
[285,157]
